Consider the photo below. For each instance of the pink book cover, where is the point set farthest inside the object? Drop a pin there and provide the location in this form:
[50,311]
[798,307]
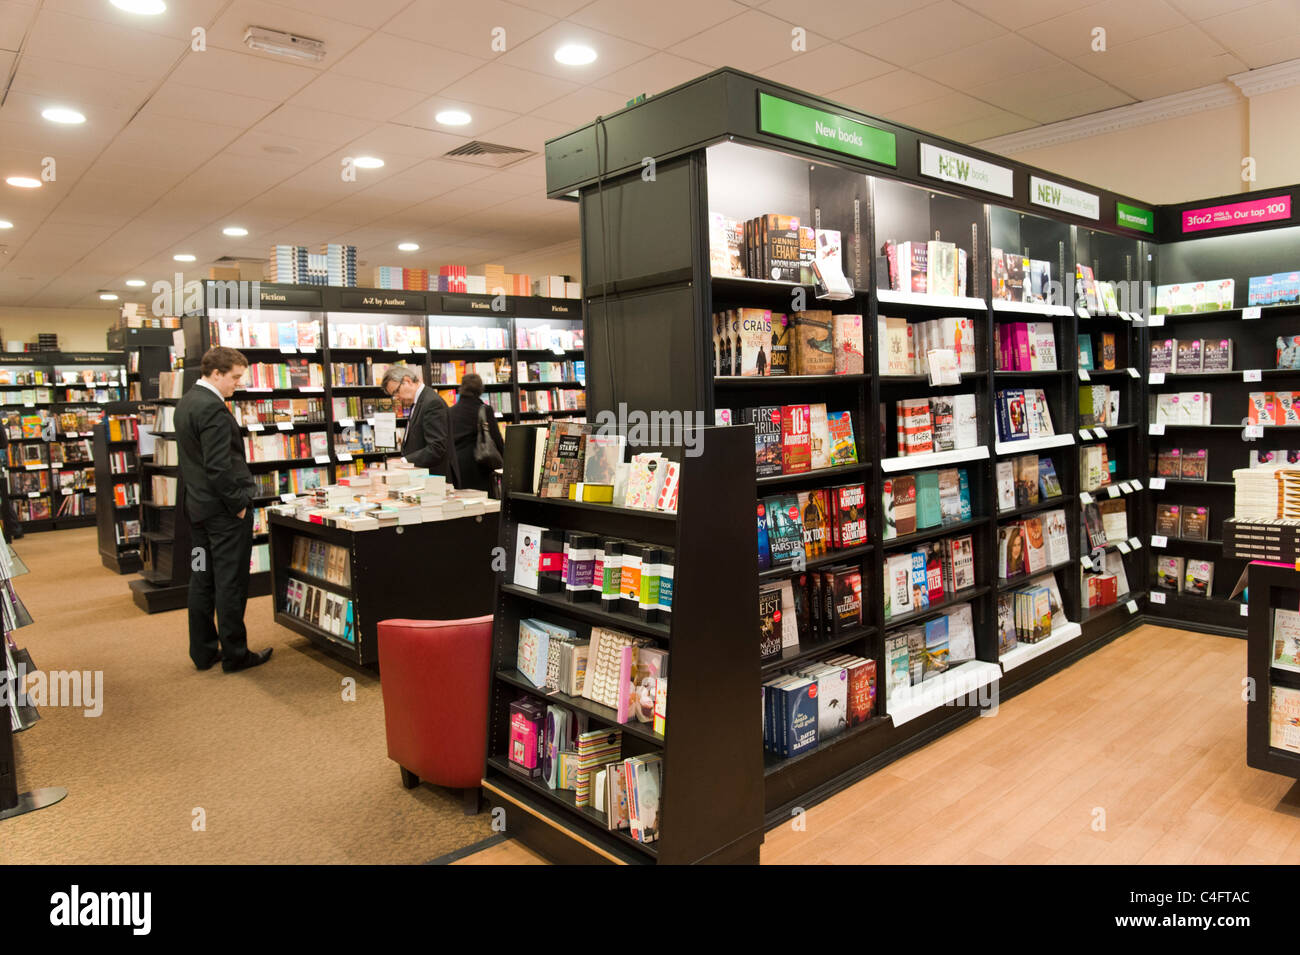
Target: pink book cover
[523,744]
[1023,361]
[624,684]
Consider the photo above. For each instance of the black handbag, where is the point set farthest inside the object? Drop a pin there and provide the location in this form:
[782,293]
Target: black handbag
[486,455]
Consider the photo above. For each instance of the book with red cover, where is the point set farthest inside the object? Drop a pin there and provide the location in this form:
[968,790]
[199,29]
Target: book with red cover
[849,515]
[796,439]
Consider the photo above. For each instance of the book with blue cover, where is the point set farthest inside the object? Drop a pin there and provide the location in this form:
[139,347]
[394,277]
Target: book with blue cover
[784,528]
[1085,352]
[936,646]
[764,553]
[799,709]
[920,585]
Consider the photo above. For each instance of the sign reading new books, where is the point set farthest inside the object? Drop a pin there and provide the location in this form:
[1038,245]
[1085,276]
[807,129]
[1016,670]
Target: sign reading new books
[804,124]
[940,163]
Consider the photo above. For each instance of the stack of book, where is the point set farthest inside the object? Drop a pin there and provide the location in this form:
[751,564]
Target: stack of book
[916,502]
[1186,521]
[940,423]
[926,267]
[1025,346]
[905,346]
[932,573]
[794,439]
[546,338]
[1187,297]
[1185,575]
[1029,614]
[1280,288]
[816,701]
[1033,544]
[1022,413]
[1186,355]
[299,373]
[798,526]
[757,342]
[1267,493]
[1186,464]
[1103,586]
[1025,480]
[1018,278]
[1274,408]
[1098,406]
[468,337]
[1184,407]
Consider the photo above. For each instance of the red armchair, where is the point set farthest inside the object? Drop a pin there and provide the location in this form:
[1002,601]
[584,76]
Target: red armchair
[435,679]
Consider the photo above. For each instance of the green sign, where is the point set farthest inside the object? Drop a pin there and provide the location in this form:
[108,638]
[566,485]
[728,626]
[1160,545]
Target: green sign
[1135,217]
[780,117]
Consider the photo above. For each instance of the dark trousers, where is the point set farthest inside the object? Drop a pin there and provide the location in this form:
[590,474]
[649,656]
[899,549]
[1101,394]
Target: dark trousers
[222,546]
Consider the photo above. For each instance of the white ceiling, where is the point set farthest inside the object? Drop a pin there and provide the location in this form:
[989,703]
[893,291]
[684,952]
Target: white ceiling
[179,144]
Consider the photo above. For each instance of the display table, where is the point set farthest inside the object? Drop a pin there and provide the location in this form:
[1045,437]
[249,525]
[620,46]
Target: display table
[1273,586]
[438,570]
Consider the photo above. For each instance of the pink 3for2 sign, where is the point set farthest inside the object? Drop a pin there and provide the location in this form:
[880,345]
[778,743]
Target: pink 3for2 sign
[1237,213]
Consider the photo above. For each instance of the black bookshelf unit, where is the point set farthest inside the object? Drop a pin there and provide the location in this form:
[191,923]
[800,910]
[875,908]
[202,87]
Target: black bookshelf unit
[412,571]
[711,808]
[1272,587]
[116,442]
[148,354]
[164,578]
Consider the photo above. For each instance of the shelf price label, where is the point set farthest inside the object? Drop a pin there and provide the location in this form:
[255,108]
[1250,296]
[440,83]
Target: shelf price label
[1122,547]
[1156,430]
[1245,611]
[1085,497]
[312,388]
[1157,597]
[1086,562]
[418,349]
[1085,434]
[284,426]
[1126,316]
[70,434]
[1157,484]
[1251,312]
[287,498]
[1254,431]
[346,423]
[38,493]
[1134,543]
[1155,321]
[1113,491]
[1132,606]
[1126,487]
[344,455]
[1159,540]
[1252,374]
[1084,375]
[256,427]
[306,350]
[1100,432]
[403,349]
[1137,485]
[288,350]
[1156,378]
[322,459]
[1134,373]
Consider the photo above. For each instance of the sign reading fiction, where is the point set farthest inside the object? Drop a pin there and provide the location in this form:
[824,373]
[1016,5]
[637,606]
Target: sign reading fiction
[949,166]
[1135,217]
[1054,195]
[816,127]
[1237,213]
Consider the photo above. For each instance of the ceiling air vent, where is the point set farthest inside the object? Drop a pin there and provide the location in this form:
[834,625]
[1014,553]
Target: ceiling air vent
[488,154]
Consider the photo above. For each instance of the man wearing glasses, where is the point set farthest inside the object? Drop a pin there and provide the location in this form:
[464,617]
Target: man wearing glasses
[428,441]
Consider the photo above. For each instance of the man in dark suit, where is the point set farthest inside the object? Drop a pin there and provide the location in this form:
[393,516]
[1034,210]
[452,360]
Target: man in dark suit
[428,442]
[217,492]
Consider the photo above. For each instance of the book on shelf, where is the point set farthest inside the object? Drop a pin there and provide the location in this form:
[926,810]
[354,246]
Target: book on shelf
[1005,477]
[1286,640]
[1284,718]
[1199,580]
[1169,573]
[1194,523]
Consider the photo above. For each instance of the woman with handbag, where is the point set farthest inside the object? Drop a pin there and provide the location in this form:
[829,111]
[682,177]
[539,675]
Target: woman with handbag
[476,435]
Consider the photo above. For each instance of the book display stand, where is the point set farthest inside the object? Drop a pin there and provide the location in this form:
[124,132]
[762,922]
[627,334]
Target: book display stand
[710,808]
[18,714]
[164,578]
[1272,711]
[148,354]
[759,151]
[118,474]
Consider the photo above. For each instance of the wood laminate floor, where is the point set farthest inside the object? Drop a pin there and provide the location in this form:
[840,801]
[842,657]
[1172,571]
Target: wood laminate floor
[1134,755]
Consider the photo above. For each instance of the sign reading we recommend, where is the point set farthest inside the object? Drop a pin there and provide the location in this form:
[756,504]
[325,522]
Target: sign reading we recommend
[1062,198]
[1135,217]
[939,163]
[816,127]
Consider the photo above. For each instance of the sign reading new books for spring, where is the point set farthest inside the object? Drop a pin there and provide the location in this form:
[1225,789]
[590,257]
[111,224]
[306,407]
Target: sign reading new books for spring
[804,124]
[1054,195]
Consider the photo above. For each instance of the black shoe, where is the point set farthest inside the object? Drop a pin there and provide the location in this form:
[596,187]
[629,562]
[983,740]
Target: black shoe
[208,666]
[252,659]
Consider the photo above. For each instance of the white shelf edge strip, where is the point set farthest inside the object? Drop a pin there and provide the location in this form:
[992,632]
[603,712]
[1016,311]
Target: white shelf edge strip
[1024,652]
[944,689]
[910,462]
[1005,305]
[1034,444]
[921,298]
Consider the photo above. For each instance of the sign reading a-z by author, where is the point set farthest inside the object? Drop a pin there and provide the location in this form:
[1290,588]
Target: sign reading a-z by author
[1237,213]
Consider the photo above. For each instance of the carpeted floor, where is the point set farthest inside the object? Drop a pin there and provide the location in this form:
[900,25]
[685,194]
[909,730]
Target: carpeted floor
[283,769]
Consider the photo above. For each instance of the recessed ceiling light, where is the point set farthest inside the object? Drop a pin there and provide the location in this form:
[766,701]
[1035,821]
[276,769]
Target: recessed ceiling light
[575,54]
[183,257]
[60,114]
[147,8]
[453,117]
[24,182]
[135,283]
[234,230]
[107,297]
[368,162]
[6,224]
[408,247]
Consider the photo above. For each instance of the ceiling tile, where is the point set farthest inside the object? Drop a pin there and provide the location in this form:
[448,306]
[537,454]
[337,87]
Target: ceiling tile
[355,97]
[1205,9]
[24,110]
[1270,52]
[242,74]
[895,90]
[177,101]
[314,125]
[397,61]
[372,13]
[482,118]
[1075,104]
[538,53]
[578,109]
[529,132]
[80,84]
[496,84]
[467,28]
[999,124]
[1014,14]
[112,176]
[554,8]
[752,41]
[15,18]
[1187,47]
[946,110]
[917,35]
[1246,28]
[425,181]
[653,75]
[1012,92]
[1188,76]
[392,139]
[102,46]
[660,24]
[176,22]
[252,146]
[831,67]
[840,18]
[1071,35]
[338,36]
[1003,56]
